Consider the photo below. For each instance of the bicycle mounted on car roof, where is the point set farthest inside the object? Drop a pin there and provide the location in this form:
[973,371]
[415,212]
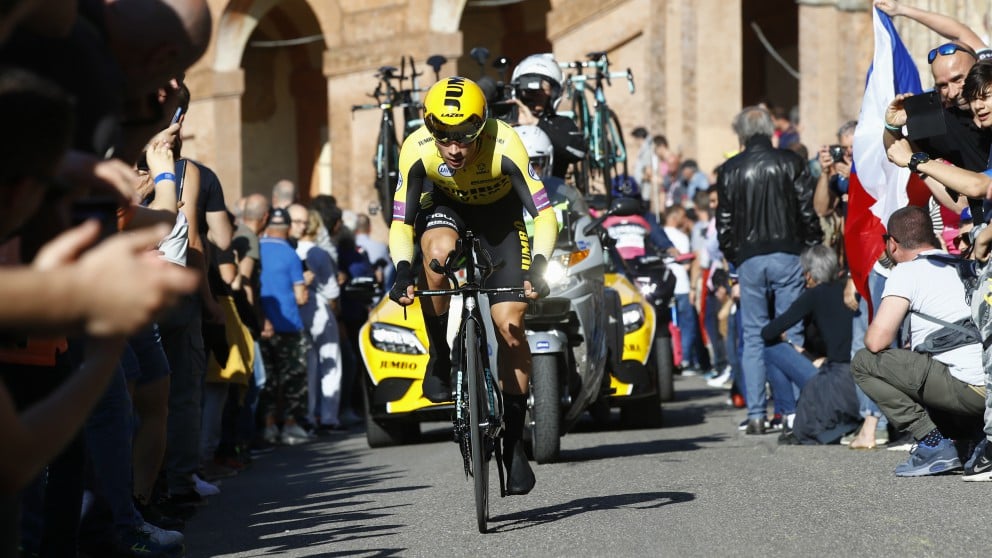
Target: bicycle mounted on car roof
[607,153]
[387,96]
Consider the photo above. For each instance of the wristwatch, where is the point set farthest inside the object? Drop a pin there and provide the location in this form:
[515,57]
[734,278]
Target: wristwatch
[917,159]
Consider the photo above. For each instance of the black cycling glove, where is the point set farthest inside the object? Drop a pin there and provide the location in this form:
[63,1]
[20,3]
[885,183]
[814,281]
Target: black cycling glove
[404,279]
[537,268]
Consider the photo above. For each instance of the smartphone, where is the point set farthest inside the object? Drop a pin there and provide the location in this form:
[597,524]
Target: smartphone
[924,116]
[102,208]
[175,117]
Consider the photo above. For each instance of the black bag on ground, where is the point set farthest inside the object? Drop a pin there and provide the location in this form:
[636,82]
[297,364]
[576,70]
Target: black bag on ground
[828,407]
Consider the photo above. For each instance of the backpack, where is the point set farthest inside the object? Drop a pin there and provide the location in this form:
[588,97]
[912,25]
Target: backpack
[962,332]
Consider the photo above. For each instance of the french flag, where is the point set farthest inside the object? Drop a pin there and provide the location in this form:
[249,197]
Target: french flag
[878,187]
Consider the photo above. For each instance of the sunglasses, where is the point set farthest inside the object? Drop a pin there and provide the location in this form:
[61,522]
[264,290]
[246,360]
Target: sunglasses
[462,134]
[948,49]
[887,237]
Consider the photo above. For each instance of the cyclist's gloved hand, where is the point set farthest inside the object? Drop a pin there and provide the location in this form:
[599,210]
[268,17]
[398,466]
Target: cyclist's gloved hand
[403,281]
[537,268]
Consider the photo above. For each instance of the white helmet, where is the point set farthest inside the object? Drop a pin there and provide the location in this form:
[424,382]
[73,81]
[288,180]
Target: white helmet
[536,67]
[539,147]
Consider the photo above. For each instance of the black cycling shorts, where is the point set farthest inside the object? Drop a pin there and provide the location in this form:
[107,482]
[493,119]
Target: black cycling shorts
[499,226]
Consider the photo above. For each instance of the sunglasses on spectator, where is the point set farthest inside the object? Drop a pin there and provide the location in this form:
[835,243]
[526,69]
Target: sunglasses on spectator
[948,49]
[887,237]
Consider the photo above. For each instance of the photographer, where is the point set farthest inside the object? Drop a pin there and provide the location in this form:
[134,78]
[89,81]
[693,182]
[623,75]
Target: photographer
[830,196]
[537,85]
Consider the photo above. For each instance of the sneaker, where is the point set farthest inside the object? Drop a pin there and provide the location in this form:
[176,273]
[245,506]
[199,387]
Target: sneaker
[710,374]
[756,426]
[849,437]
[742,426]
[979,467]
[925,460]
[293,435]
[138,543]
[721,380]
[689,370]
[271,434]
[776,424]
[154,515]
[161,536]
[737,401]
[204,488]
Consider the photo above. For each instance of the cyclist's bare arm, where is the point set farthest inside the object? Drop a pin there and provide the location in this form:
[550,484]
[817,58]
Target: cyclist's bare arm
[946,26]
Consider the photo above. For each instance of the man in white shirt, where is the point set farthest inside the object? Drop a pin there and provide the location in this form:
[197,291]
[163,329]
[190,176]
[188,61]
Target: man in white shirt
[688,319]
[914,388]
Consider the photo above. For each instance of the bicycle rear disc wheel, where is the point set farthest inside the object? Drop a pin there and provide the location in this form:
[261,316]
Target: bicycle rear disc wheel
[388,172]
[580,168]
[477,414]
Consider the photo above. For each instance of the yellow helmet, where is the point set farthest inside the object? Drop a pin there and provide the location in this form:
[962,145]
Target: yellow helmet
[455,110]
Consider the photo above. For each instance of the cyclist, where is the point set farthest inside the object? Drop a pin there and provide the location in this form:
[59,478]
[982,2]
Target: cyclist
[537,84]
[480,174]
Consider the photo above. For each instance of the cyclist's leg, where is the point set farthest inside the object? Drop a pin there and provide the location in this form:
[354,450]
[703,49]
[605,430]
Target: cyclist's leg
[507,243]
[440,225]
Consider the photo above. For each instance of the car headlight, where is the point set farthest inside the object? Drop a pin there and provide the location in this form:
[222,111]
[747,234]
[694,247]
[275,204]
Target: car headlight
[395,339]
[633,317]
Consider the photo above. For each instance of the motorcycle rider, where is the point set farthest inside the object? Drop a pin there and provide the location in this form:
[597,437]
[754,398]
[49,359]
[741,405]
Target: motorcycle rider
[480,175]
[537,86]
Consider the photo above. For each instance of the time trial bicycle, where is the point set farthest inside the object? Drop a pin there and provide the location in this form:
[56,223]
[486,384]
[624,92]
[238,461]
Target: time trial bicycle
[478,413]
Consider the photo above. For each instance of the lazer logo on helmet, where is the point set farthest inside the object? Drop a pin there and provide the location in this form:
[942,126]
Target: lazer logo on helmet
[452,115]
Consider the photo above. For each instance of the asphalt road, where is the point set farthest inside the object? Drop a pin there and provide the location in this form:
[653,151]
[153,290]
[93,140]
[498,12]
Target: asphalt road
[695,487]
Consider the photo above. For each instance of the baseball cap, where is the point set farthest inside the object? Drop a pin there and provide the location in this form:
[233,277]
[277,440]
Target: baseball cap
[278,217]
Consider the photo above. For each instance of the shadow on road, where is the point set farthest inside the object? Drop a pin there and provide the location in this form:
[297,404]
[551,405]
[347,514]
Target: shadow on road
[610,451]
[539,516]
[309,498]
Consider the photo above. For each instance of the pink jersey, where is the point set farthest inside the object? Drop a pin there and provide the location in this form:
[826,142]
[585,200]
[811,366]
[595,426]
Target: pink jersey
[630,234]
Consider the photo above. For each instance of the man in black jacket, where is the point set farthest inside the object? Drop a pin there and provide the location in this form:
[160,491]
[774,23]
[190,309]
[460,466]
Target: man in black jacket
[764,220]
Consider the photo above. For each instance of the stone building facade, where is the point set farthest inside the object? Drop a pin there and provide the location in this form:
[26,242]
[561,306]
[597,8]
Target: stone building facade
[272,96]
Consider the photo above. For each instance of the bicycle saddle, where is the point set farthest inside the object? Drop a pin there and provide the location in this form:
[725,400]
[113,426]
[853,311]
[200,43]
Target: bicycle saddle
[386,72]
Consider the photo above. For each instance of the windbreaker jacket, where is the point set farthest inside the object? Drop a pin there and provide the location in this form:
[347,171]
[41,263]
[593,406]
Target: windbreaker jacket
[765,203]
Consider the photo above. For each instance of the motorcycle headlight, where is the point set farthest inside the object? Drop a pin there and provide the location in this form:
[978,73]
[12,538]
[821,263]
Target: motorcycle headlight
[395,339]
[633,317]
[556,275]
[556,272]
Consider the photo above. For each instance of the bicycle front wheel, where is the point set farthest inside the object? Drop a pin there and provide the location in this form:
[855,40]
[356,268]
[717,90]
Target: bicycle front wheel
[477,415]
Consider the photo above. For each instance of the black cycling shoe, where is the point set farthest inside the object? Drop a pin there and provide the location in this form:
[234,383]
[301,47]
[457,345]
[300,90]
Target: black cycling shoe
[437,380]
[519,476]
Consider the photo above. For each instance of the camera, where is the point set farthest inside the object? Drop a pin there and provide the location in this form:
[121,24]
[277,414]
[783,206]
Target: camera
[837,153]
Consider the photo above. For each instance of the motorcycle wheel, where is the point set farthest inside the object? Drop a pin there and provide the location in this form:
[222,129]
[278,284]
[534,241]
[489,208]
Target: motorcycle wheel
[665,365]
[546,412]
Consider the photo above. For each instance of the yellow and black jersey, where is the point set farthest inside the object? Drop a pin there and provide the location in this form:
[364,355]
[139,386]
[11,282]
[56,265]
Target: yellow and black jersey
[500,168]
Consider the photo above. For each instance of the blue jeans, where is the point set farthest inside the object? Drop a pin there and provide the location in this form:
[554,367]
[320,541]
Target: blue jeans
[713,332]
[859,326]
[776,276]
[788,372]
[688,326]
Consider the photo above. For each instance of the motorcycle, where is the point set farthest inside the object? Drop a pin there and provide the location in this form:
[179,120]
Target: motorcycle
[573,332]
[644,377]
